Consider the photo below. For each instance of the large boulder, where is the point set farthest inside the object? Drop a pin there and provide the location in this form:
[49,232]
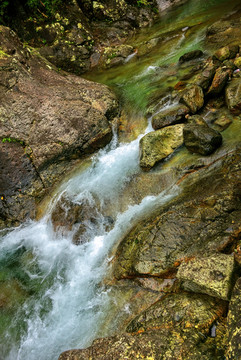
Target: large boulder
[197,222]
[157,145]
[211,275]
[233,96]
[201,139]
[55,117]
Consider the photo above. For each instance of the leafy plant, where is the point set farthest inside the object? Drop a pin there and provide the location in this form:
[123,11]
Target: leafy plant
[44,8]
[3,7]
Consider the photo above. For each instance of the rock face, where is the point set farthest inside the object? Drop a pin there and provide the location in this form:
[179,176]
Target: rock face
[234,324]
[176,327]
[171,116]
[56,118]
[233,96]
[193,98]
[201,139]
[198,224]
[157,145]
[208,275]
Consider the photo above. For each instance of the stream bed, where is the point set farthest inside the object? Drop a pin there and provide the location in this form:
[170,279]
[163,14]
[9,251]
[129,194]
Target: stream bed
[52,294]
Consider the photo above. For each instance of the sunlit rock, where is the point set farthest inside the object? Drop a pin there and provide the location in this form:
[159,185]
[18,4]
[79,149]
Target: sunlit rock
[157,145]
[211,275]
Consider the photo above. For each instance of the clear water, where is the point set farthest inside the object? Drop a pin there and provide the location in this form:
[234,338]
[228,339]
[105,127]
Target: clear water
[52,296]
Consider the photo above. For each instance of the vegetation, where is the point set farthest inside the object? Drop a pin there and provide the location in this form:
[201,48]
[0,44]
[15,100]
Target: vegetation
[38,8]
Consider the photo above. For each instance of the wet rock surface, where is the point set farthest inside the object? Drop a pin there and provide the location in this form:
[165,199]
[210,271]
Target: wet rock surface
[198,225]
[201,139]
[53,118]
[176,327]
[170,116]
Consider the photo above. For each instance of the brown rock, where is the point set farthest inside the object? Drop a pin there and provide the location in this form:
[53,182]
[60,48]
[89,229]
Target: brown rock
[171,116]
[219,81]
[193,97]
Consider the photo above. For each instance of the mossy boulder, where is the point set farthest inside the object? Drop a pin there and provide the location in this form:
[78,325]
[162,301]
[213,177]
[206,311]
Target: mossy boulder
[157,145]
[211,275]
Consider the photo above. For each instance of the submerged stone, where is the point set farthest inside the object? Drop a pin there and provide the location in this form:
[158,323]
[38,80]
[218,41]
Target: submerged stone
[190,55]
[211,275]
[157,145]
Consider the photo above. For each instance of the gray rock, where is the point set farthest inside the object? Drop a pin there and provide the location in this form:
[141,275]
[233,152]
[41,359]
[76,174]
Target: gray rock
[208,275]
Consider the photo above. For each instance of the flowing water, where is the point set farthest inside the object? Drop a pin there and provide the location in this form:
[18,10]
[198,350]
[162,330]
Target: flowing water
[52,294]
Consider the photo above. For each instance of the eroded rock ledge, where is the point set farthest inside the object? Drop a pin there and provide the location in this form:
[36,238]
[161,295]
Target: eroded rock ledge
[48,121]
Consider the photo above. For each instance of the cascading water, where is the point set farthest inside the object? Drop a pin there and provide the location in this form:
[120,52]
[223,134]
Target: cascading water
[68,309]
[62,302]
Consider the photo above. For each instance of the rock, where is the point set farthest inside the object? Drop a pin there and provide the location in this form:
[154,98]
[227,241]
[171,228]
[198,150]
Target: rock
[205,78]
[233,96]
[176,327]
[234,324]
[190,55]
[222,122]
[219,81]
[211,275]
[226,52]
[147,46]
[193,97]
[157,145]
[170,116]
[201,139]
[237,62]
[195,223]
[20,184]
[56,117]
[218,27]
[223,33]
[196,120]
